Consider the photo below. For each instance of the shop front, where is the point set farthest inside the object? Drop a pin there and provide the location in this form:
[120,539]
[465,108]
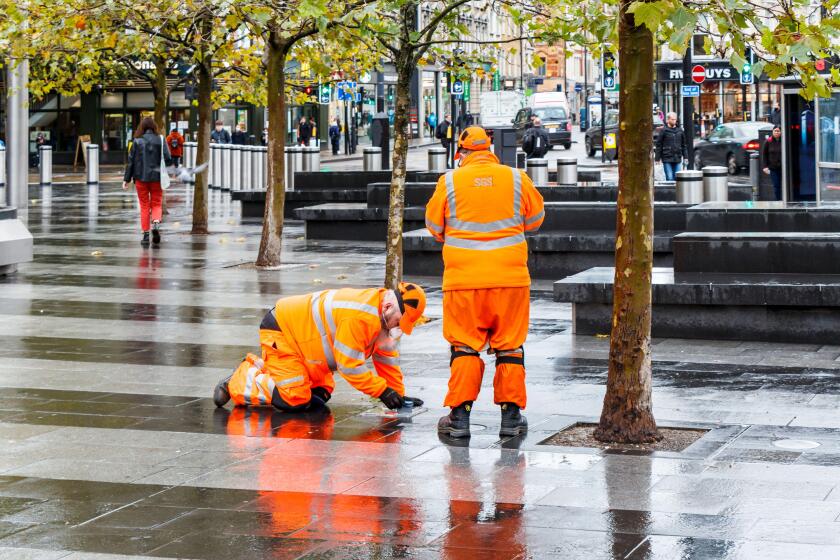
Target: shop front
[722,97]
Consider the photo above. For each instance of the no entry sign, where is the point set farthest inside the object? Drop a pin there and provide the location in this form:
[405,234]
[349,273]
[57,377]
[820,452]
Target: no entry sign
[698,74]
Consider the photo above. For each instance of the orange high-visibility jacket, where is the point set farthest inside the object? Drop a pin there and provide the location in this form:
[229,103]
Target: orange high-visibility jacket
[481,212]
[337,330]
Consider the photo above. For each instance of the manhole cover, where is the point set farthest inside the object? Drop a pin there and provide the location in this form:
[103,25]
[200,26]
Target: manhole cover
[795,444]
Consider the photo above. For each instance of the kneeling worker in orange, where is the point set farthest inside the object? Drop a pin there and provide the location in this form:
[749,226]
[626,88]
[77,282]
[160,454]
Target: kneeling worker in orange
[306,338]
[481,212]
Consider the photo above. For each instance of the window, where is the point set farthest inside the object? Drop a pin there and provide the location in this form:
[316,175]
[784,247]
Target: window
[547,114]
[611,119]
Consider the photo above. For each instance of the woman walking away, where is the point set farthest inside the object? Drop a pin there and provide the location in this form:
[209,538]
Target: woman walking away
[335,135]
[772,156]
[144,169]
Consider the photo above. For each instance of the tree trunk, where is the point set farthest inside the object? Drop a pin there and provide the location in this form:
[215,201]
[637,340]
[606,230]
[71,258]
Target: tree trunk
[396,205]
[205,117]
[275,196]
[627,416]
[161,95]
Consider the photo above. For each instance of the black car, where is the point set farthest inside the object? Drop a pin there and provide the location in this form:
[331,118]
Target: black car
[555,120]
[730,145]
[593,140]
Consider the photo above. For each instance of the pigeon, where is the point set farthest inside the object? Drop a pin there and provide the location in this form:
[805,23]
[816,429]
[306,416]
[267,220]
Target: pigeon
[183,174]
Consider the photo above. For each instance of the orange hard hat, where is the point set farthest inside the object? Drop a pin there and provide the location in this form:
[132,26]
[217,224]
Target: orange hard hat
[474,138]
[412,301]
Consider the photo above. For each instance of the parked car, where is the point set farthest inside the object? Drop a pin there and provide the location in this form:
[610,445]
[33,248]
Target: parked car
[730,145]
[554,119]
[593,140]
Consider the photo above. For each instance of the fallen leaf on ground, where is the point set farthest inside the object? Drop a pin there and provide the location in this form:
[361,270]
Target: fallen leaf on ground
[341,276]
[96,254]
[311,266]
[316,281]
[223,240]
[240,240]
[602,336]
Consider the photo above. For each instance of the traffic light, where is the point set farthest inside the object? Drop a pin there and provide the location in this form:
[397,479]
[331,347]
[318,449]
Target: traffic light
[307,90]
[608,70]
[746,69]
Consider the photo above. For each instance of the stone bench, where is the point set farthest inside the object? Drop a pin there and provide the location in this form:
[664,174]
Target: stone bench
[766,307]
[253,202]
[15,241]
[764,217]
[349,221]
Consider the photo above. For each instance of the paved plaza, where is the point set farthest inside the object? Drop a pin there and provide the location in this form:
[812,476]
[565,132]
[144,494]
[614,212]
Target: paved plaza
[113,448]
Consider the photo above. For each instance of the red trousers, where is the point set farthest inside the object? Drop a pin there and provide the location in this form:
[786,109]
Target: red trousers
[150,196]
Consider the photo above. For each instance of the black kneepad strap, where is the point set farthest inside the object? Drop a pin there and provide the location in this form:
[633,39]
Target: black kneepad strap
[460,352]
[515,356]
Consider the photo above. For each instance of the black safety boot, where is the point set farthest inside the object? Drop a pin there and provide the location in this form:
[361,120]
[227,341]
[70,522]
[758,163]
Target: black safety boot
[220,394]
[156,233]
[144,242]
[513,423]
[457,422]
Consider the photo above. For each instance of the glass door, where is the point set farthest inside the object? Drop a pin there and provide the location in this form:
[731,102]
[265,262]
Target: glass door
[799,142]
[828,142]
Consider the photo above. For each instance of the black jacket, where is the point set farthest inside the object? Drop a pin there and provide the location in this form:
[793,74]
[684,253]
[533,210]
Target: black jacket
[772,154]
[305,131]
[536,142]
[144,158]
[239,137]
[440,133]
[671,146]
[220,137]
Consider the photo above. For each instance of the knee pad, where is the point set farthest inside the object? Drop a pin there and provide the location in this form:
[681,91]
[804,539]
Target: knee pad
[460,352]
[515,356]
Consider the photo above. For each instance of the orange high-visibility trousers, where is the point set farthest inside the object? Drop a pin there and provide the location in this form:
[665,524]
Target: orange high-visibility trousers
[253,384]
[477,319]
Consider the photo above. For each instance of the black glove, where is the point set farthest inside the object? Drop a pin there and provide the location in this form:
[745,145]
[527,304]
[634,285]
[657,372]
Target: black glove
[415,400]
[391,399]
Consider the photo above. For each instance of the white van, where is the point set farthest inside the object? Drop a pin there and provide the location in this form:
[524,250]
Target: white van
[549,99]
[499,107]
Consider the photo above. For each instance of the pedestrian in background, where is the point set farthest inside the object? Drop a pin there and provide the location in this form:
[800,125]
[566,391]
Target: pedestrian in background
[771,153]
[175,143]
[220,135]
[445,134]
[144,168]
[432,122]
[671,147]
[335,135]
[239,135]
[304,132]
[536,142]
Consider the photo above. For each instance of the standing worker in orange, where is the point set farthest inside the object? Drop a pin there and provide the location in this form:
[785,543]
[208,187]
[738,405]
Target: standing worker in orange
[481,212]
[306,338]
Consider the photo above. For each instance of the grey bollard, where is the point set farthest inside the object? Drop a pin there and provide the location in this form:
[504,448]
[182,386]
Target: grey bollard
[537,169]
[755,174]
[372,159]
[437,159]
[689,187]
[567,170]
[2,169]
[255,168]
[263,182]
[715,184]
[298,156]
[235,183]
[227,166]
[520,159]
[311,158]
[45,155]
[293,161]
[245,167]
[215,165]
[93,164]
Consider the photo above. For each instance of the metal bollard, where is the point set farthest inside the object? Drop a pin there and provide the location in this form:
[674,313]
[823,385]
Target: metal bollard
[437,159]
[311,158]
[537,169]
[755,174]
[689,187]
[372,159]
[292,159]
[715,184]
[245,167]
[520,159]
[2,169]
[235,183]
[227,167]
[263,182]
[215,164]
[93,164]
[255,168]
[567,170]
[45,154]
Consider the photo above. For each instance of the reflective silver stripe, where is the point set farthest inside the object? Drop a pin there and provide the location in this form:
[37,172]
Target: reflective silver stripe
[387,360]
[328,311]
[319,324]
[485,227]
[349,352]
[534,219]
[249,385]
[433,226]
[450,193]
[485,245]
[517,192]
[357,306]
[290,380]
[353,371]
[260,394]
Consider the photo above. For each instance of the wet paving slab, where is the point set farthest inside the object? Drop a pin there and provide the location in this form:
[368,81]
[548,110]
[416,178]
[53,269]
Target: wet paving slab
[108,354]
